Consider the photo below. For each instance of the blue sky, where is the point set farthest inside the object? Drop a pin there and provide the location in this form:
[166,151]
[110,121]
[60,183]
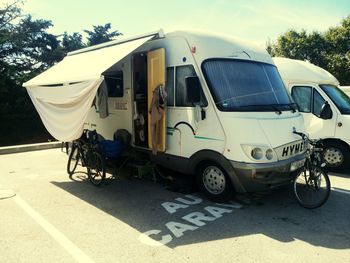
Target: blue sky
[253,20]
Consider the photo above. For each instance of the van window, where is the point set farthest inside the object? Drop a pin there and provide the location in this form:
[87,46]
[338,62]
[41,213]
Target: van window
[115,84]
[339,98]
[318,101]
[302,97]
[239,85]
[181,95]
[169,87]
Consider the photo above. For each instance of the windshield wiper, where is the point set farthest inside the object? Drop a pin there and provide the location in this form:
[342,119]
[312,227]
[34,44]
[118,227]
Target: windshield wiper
[276,108]
[293,105]
[290,106]
[262,106]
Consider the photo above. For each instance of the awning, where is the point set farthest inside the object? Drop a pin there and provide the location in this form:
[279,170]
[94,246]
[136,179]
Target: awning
[63,94]
[86,65]
[63,110]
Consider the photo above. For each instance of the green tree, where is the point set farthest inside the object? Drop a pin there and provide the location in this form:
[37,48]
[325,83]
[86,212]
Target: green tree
[329,50]
[101,34]
[339,54]
[72,42]
[25,49]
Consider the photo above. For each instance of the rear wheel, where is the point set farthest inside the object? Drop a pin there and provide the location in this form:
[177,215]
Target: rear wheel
[96,168]
[73,159]
[312,187]
[213,182]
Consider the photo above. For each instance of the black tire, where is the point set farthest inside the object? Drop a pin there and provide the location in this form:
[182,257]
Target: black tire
[213,181]
[336,156]
[73,159]
[96,168]
[312,192]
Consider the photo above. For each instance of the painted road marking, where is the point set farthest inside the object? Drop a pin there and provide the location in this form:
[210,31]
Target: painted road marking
[189,222]
[341,191]
[68,245]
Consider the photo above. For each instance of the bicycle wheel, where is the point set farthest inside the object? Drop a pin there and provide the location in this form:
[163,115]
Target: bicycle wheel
[96,168]
[73,159]
[312,187]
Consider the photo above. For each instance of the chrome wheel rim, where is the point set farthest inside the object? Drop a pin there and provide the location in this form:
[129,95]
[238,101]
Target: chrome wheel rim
[214,180]
[333,157]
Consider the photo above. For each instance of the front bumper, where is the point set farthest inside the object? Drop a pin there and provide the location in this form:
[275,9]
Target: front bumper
[255,177]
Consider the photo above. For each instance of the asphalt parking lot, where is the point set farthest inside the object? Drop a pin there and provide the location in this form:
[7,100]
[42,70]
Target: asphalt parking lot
[49,217]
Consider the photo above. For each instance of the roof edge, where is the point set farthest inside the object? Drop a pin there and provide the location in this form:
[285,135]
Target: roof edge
[159,34]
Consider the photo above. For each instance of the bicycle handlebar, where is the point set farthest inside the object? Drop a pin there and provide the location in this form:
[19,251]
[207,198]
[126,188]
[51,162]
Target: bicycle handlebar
[306,138]
[302,135]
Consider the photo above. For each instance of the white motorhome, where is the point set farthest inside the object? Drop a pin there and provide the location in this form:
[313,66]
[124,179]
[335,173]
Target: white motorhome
[346,89]
[229,118]
[312,87]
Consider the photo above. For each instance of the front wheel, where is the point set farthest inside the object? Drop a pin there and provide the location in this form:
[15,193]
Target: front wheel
[96,168]
[73,159]
[213,182]
[336,156]
[312,187]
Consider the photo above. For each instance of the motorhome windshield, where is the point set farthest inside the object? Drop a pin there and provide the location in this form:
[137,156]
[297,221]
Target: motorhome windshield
[339,98]
[239,85]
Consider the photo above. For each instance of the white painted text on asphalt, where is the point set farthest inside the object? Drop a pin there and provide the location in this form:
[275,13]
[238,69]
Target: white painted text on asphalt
[191,222]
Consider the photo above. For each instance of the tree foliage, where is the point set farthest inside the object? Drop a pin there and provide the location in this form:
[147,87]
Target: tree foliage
[101,34]
[26,49]
[72,42]
[329,50]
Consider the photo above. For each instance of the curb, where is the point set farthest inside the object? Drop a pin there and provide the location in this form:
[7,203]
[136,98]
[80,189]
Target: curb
[29,147]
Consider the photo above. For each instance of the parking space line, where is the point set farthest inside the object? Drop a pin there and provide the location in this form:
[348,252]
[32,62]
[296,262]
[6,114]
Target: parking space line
[68,245]
[341,191]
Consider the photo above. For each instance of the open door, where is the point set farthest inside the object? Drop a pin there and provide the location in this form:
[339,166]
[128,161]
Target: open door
[156,76]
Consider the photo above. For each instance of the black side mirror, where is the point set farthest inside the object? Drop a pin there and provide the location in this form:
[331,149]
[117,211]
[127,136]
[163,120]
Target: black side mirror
[193,89]
[326,111]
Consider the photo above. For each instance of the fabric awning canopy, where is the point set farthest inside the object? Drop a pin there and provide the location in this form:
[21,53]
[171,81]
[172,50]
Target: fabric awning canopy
[63,94]
[88,65]
[63,110]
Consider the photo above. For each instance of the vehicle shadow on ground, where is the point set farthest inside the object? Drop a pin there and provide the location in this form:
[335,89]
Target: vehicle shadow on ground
[138,203]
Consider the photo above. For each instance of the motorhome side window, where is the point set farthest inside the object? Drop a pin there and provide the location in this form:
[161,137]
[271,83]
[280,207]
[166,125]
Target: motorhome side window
[169,86]
[182,72]
[317,103]
[115,84]
[302,97]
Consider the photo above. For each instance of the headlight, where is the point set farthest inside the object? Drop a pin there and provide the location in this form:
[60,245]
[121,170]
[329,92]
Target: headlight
[261,153]
[257,153]
[269,154]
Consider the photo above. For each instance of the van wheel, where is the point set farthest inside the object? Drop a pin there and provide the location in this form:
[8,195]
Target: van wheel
[336,156]
[213,182]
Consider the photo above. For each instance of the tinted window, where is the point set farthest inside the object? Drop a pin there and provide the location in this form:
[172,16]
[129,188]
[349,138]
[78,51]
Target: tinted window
[317,103]
[181,95]
[340,99]
[115,84]
[302,97]
[239,85]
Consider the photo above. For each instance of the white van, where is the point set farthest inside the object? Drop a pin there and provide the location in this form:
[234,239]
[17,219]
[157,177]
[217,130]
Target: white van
[312,87]
[229,118]
[346,89]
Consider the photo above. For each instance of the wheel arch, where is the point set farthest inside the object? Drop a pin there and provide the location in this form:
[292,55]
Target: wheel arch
[203,156]
[336,140]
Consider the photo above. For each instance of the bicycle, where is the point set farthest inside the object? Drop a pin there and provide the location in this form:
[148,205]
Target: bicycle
[312,186]
[85,150]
